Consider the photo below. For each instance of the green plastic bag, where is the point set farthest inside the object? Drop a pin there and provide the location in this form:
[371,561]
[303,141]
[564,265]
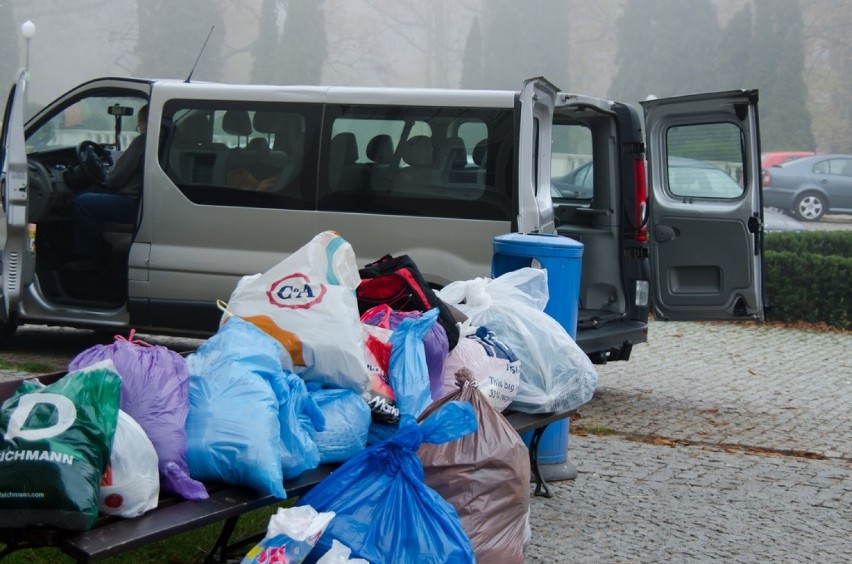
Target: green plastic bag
[56,443]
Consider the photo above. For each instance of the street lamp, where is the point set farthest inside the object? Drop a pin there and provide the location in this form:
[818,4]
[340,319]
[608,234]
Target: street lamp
[28,30]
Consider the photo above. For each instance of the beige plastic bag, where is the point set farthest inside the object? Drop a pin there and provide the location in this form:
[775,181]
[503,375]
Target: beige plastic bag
[484,475]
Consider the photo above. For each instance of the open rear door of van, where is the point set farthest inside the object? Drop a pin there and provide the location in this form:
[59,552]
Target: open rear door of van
[535,206]
[18,251]
[706,218]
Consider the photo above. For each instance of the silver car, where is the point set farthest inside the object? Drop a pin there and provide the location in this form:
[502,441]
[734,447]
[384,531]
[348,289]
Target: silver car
[810,187]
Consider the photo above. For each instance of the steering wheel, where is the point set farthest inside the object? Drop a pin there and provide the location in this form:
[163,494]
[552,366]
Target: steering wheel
[94,160]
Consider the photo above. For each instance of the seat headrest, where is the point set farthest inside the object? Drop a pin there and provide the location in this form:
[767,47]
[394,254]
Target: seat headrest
[418,151]
[237,122]
[195,129]
[268,122]
[380,149]
[479,152]
[258,144]
[344,147]
[456,153]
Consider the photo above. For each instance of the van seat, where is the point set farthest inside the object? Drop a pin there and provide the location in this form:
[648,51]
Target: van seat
[415,178]
[380,152]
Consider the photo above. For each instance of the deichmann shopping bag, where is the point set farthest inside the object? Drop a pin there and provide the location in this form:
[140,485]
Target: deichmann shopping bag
[307,303]
[56,443]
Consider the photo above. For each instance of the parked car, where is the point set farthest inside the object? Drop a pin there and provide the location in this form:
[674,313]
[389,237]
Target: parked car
[810,187]
[780,157]
[686,177]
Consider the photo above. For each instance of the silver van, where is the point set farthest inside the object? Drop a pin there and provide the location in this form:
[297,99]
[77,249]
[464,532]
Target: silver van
[236,177]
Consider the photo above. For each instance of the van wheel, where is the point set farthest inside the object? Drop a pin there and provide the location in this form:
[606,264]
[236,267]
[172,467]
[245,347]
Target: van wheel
[810,206]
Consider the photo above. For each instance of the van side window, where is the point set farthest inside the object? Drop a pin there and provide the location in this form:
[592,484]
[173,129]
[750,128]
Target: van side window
[420,161]
[242,154]
[705,161]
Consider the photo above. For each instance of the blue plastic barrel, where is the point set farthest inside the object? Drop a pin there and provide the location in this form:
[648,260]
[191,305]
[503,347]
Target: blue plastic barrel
[562,258]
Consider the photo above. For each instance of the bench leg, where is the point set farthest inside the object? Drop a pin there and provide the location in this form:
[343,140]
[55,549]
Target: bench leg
[221,544]
[541,487]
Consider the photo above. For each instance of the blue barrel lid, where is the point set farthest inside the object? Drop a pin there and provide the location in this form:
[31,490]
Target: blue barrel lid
[548,243]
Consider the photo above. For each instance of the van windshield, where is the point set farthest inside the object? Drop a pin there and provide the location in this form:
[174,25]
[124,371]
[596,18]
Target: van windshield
[88,119]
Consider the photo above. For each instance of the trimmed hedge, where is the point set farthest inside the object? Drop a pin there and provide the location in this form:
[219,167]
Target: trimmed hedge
[808,277]
[810,242]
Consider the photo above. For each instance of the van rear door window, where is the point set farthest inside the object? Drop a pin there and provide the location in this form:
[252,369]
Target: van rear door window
[705,161]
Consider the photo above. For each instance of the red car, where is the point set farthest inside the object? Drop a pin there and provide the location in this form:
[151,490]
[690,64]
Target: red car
[776,158]
[771,159]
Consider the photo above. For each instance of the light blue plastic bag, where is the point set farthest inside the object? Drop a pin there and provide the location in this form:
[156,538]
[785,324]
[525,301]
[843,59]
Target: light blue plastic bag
[408,372]
[243,426]
[347,423]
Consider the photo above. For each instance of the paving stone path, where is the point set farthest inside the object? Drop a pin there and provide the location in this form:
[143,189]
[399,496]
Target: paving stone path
[722,442]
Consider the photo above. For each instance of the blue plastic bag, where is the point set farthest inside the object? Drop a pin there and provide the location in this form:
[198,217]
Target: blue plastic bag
[347,423]
[408,372]
[384,510]
[243,425]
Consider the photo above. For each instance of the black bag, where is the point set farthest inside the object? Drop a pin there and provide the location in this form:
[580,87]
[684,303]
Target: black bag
[397,282]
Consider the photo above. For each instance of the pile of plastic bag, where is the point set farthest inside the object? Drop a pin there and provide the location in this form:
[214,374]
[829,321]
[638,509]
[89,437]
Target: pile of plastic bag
[316,362]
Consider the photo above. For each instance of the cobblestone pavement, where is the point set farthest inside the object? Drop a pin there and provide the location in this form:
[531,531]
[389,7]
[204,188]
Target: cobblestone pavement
[715,442]
[720,442]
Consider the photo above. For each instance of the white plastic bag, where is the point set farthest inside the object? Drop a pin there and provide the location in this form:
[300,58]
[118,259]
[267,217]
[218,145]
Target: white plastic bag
[339,554]
[291,534]
[131,484]
[307,302]
[493,364]
[556,375]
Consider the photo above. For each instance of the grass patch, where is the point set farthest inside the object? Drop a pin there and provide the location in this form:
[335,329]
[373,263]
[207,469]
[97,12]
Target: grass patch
[188,548]
[34,367]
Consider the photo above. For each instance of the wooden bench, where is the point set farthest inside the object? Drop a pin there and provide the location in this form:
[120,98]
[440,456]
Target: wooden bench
[111,536]
[537,423]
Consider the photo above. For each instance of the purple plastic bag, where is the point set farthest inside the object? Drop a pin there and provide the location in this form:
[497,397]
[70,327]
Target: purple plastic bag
[435,342]
[154,392]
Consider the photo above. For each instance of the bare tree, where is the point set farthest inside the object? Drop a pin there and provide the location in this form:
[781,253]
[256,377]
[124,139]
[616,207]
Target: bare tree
[302,48]
[828,72]
[171,35]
